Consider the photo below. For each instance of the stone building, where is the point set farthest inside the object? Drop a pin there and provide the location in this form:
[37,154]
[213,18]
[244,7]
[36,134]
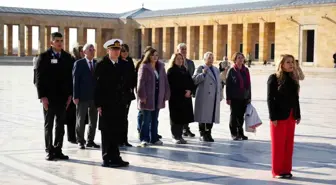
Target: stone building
[266,29]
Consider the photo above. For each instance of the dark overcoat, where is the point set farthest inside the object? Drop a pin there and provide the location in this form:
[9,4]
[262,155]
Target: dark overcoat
[180,107]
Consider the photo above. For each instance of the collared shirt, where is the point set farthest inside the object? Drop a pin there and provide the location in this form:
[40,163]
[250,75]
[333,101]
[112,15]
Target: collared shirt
[88,62]
[114,62]
[55,54]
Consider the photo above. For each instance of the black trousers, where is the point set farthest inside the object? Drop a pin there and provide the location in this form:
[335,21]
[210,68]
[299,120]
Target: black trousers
[124,126]
[205,128]
[186,127]
[238,108]
[176,130]
[110,148]
[71,122]
[58,110]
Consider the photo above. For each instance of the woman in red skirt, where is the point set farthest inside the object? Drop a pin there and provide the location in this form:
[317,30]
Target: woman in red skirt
[284,110]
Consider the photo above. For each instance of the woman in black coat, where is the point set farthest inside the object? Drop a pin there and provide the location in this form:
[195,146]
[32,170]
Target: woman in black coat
[180,103]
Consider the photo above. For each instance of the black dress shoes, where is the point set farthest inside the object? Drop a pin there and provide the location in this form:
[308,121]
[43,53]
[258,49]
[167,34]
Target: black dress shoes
[115,164]
[92,145]
[61,156]
[50,157]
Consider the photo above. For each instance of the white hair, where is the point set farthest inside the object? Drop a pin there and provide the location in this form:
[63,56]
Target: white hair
[87,46]
[181,45]
[207,54]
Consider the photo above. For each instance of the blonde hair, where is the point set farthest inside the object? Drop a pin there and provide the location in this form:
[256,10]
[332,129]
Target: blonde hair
[173,58]
[280,72]
[235,55]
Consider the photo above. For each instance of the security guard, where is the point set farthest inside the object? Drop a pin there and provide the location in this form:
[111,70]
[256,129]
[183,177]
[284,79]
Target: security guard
[110,102]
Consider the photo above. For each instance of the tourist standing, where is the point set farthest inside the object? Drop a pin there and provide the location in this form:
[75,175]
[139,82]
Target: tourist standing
[238,95]
[152,92]
[180,102]
[284,113]
[208,96]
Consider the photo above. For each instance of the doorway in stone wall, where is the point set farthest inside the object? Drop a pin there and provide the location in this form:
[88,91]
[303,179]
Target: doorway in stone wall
[307,44]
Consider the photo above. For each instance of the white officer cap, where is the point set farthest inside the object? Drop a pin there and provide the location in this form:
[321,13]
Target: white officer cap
[113,43]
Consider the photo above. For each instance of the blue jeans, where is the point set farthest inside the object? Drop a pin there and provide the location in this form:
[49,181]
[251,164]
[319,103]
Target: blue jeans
[149,126]
[140,119]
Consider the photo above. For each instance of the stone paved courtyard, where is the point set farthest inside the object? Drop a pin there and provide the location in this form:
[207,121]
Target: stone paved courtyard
[223,162]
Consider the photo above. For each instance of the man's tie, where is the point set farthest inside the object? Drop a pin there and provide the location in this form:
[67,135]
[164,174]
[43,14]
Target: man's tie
[91,67]
[57,55]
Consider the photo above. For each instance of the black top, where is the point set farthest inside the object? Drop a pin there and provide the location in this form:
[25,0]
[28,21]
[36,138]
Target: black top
[233,90]
[111,87]
[54,76]
[282,98]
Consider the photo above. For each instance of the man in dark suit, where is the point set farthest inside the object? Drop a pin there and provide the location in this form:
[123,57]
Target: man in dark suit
[189,64]
[111,103]
[84,83]
[54,88]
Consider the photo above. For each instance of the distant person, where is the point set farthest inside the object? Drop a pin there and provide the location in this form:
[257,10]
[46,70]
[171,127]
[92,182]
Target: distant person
[334,56]
[34,68]
[224,67]
[54,87]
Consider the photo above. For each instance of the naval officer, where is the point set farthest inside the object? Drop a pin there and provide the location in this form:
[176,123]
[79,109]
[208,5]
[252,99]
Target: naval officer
[110,102]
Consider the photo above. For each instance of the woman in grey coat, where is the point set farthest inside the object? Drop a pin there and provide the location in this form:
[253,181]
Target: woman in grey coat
[208,96]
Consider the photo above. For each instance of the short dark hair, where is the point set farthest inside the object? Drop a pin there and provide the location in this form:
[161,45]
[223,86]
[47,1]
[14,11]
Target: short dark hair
[125,47]
[56,34]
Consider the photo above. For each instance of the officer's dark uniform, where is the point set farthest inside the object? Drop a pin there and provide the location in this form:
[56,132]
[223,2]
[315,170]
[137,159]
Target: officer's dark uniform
[110,97]
[54,81]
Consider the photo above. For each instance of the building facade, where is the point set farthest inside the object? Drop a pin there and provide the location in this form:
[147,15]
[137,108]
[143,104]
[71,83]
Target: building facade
[265,30]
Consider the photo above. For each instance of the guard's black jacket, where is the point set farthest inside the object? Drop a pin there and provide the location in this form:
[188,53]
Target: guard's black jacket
[54,80]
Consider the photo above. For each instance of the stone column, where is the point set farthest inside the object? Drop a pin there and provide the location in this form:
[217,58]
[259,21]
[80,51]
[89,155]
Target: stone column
[203,41]
[166,43]
[263,41]
[217,42]
[81,35]
[9,39]
[144,39]
[29,40]
[190,42]
[61,30]
[66,38]
[21,41]
[99,43]
[156,39]
[247,41]
[47,35]
[42,42]
[178,36]
[231,40]
[1,39]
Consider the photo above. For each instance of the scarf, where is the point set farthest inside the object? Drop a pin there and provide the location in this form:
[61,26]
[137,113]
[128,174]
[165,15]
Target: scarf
[240,77]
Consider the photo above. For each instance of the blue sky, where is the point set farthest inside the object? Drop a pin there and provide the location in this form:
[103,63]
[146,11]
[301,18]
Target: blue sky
[109,6]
